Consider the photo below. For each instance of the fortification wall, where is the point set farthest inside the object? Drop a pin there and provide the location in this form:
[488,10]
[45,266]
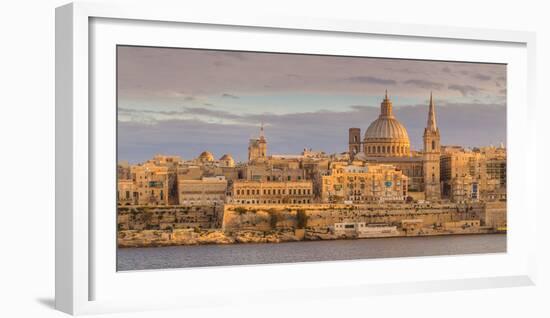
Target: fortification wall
[266,217]
[169,217]
[494,214]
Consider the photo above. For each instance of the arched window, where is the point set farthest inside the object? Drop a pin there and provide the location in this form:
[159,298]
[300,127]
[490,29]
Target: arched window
[433,144]
[378,149]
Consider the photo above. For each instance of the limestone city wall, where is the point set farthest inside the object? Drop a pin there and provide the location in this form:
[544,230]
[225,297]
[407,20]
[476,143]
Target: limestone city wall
[264,217]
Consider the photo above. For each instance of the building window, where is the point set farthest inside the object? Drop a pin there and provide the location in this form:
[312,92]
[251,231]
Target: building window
[433,144]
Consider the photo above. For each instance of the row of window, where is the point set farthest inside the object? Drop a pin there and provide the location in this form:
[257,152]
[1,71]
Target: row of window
[387,149]
[279,178]
[294,201]
[195,198]
[273,191]
[137,194]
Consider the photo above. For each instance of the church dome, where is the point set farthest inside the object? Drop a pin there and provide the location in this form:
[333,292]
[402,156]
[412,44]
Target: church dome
[226,157]
[386,128]
[228,160]
[386,136]
[206,156]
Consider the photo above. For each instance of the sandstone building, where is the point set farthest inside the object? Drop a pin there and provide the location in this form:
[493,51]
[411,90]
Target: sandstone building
[380,166]
[206,191]
[478,174]
[272,192]
[363,184]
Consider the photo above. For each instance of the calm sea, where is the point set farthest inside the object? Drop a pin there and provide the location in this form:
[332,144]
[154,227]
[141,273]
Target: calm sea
[306,251]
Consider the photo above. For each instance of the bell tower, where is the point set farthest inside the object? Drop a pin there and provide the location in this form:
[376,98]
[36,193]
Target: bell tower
[354,141]
[257,148]
[431,156]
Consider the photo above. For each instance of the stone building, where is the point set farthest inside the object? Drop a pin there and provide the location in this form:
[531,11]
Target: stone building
[208,191]
[478,174]
[271,192]
[363,184]
[127,193]
[386,141]
[153,184]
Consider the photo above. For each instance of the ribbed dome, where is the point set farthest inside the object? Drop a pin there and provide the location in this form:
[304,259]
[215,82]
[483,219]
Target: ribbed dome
[386,137]
[387,128]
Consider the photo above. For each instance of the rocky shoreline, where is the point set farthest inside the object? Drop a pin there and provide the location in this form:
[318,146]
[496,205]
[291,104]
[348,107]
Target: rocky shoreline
[189,237]
[155,238]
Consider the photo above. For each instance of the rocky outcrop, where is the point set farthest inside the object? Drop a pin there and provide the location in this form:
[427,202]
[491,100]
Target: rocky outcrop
[151,238]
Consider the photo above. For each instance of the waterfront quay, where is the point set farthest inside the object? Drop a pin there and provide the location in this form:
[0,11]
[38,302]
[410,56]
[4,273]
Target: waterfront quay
[143,226]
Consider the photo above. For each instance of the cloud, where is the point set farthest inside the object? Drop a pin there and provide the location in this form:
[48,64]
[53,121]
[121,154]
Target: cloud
[424,84]
[210,112]
[482,77]
[371,80]
[461,124]
[465,90]
[174,114]
[226,95]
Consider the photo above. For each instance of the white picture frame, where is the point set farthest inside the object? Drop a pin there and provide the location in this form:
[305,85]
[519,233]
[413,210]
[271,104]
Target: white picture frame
[77,253]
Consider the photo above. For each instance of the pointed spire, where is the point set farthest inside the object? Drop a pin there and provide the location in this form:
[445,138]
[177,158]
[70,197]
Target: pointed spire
[386,98]
[262,130]
[431,115]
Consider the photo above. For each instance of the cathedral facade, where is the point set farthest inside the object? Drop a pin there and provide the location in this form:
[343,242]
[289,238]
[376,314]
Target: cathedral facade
[386,141]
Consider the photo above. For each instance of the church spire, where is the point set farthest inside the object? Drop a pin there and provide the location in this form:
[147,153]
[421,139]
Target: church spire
[431,115]
[262,131]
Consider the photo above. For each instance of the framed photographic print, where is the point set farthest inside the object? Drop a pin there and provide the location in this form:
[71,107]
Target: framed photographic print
[236,149]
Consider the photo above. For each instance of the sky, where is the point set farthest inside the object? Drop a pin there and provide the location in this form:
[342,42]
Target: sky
[178,101]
